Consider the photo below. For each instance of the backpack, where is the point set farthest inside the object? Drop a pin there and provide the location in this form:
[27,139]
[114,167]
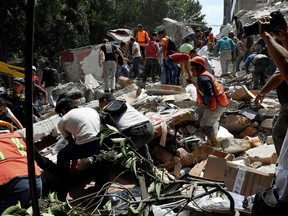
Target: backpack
[172,47]
[113,109]
[266,202]
[116,107]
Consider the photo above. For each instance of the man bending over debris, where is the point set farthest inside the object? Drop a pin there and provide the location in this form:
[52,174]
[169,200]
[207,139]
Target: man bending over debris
[132,124]
[79,126]
[211,97]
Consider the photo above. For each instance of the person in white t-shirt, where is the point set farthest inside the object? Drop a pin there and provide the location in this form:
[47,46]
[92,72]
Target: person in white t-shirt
[136,54]
[79,126]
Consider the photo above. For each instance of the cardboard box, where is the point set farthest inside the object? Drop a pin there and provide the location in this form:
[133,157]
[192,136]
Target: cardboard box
[238,179]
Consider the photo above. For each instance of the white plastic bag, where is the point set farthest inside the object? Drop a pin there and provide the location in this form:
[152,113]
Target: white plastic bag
[191,89]
[61,143]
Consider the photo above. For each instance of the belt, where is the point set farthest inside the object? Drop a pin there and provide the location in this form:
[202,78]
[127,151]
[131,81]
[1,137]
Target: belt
[141,126]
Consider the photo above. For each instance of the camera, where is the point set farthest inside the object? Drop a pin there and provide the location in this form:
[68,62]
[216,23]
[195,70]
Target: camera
[277,22]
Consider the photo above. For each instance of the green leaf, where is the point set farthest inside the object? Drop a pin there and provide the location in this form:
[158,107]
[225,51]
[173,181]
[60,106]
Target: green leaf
[134,166]
[158,189]
[124,151]
[127,162]
[12,210]
[52,197]
[113,128]
[118,140]
[30,210]
[134,211]
[108,206]
[151,188]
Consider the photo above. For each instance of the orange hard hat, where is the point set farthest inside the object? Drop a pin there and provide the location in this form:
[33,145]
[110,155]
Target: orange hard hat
[199,60]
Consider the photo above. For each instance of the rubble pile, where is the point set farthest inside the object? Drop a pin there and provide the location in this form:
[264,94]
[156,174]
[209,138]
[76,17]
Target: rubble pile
[246,162]
[179,147]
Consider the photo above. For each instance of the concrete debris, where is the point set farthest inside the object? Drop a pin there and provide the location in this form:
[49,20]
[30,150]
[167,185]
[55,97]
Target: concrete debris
[120,35]
[179,148]
[175,29]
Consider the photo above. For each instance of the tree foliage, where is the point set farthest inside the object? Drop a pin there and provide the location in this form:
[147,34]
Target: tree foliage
[67,24]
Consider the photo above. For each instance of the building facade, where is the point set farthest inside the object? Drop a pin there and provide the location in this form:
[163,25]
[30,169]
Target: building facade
[231,8]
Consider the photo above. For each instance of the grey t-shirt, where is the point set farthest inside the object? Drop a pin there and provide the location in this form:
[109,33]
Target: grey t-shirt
[129,118]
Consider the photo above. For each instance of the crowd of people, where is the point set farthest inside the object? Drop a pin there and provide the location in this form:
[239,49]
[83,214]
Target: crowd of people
[147,57]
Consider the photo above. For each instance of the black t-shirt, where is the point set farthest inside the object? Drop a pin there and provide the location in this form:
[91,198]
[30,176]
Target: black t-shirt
[282,90]
[109,51]
[120,59]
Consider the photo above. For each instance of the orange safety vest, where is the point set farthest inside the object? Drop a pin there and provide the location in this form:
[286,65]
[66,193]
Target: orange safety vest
[219,93]
[142,38]
[13,158]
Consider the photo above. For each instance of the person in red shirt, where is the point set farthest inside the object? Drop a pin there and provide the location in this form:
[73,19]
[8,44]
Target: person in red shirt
[152,52]
[172,61]
[36,79]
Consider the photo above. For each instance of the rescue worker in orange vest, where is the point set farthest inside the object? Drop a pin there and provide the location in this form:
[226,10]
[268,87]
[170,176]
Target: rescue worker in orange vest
[211,98]
[142,39]
[14,182]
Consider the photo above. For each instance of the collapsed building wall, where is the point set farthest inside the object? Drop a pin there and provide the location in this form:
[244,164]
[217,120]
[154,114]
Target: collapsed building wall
[79,62]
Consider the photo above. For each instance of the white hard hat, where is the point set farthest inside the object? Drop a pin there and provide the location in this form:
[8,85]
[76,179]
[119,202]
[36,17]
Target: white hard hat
[33,68]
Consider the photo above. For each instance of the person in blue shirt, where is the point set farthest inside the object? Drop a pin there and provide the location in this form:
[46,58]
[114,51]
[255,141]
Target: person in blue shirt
[225,46]
[261,62]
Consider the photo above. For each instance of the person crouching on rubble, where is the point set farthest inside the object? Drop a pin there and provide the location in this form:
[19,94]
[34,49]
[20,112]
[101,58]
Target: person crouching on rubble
[130,123]
[79,126]
[210,97]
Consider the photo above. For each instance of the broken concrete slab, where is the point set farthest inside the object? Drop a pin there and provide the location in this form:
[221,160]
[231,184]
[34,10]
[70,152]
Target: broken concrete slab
[267,123]
[268,112]
[161,89]
[124,82]
[44,128]
[235,124]
[182,115]
[266,154]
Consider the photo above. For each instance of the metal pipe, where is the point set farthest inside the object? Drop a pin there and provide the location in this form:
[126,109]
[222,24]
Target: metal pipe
[29,104]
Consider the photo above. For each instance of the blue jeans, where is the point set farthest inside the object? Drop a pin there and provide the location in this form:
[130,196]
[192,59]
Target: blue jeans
[165,73]
[174,71]
[122,70]
[136,66]
[18,190]
[239,59]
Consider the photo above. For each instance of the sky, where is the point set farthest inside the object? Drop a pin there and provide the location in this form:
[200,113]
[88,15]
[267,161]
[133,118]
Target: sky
[213,9]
